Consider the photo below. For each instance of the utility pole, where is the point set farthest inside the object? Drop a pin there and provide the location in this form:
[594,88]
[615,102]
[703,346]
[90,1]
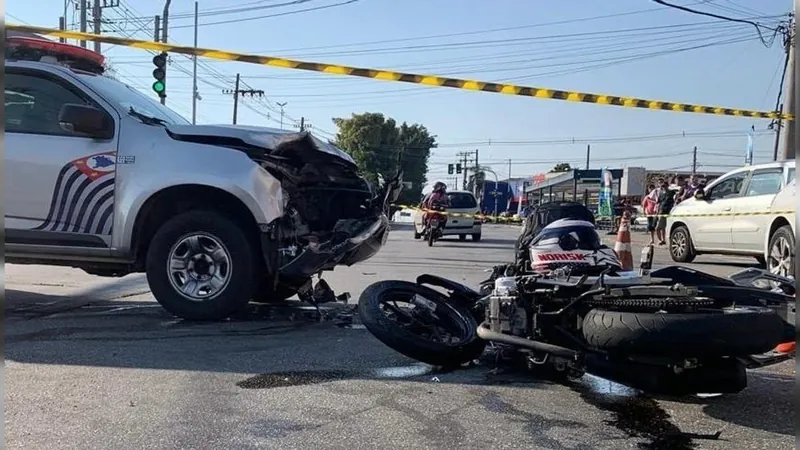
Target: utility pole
[235,99]
[477,168]
[694,161]
[96,16]
[509,170]
[157,29]
[194,70]
[302,124]
[281,105]
[164,32]
[586,191]
[62,25]
[788,130]
[62,22]
[464,171]
[83,21]
[237,92]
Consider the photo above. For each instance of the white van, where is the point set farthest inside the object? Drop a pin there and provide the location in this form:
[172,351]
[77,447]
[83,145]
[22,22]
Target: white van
[462,219]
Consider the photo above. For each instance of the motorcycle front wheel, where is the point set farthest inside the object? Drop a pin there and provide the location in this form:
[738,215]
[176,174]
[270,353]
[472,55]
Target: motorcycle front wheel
[420,323]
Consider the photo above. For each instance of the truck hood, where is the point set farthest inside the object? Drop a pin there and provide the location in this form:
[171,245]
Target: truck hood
[273,140]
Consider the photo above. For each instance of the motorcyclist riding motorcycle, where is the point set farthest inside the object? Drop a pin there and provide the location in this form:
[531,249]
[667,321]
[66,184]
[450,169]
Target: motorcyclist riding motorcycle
[437,200]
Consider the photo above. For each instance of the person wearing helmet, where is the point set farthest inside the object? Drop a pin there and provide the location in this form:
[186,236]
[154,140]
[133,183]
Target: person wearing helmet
[436,200]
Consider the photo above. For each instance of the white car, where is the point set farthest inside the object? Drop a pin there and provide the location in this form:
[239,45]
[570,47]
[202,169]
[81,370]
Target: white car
[462,218]
[750,212]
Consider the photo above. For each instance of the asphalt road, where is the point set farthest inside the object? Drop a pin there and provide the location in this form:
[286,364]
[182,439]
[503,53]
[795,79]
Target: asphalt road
[95,363]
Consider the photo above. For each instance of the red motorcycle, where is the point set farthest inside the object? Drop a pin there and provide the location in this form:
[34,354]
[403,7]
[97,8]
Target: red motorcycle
[434,223]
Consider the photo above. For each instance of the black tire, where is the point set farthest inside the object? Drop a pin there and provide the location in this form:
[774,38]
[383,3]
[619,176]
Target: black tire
[462,237]
[476,237]
[681,248]
[267,293]
[431,237]
[416,235]
[784,232]
[762,262]
[409,344]
[244,264]
[737,331]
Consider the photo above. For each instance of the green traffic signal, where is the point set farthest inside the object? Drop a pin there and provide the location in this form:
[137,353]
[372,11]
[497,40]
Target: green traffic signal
[158,87]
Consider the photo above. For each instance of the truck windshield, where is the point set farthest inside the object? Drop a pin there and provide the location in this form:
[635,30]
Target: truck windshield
[127,97]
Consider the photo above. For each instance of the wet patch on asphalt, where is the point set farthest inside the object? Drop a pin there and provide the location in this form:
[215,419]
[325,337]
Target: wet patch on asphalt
[636,414]
[536,426]
[305,377]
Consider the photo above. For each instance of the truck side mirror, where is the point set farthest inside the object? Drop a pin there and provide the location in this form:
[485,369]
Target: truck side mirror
[87,120]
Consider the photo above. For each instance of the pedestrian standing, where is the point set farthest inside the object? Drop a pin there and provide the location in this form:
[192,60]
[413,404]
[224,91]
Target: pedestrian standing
[650,207]
[666,200]
[691,188]
[680,184]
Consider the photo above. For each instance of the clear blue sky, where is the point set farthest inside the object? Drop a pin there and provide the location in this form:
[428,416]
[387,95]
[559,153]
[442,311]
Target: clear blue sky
[535,51]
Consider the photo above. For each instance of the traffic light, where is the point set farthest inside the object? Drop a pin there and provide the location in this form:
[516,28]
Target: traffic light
[458,168]
[159,86]
[449,169]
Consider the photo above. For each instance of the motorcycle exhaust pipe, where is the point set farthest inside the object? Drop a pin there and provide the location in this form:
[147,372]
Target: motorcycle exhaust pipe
[488,335]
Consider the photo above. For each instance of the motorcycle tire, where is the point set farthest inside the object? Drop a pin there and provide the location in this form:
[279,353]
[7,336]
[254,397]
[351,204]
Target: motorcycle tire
[431,237]
[737,331]
[400,339]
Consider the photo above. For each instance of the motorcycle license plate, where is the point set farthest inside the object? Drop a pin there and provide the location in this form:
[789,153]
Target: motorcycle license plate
[424,303]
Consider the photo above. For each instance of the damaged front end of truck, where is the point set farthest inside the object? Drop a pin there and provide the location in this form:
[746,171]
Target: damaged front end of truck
[331,214]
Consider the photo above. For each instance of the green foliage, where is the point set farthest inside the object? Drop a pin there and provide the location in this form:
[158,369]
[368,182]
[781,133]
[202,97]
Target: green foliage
[375,143]
[561,167]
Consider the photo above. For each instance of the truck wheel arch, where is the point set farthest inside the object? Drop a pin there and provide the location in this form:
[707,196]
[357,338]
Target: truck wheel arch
[173,200]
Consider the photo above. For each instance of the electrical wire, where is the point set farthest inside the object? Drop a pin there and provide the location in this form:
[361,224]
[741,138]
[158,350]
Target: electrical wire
[245,19]
[729,19]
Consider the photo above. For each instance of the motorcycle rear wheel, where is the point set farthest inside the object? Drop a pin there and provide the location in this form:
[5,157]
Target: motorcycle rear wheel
[737,331]
[418,340]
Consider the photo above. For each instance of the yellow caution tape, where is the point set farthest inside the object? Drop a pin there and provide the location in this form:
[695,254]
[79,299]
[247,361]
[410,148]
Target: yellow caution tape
[428,80]
[517,219]
[477,216]
[744,213]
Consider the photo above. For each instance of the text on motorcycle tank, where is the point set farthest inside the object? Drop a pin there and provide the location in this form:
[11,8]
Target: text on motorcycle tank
[561,256]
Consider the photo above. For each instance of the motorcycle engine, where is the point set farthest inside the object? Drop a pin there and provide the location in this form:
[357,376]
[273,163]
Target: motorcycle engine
[506,312]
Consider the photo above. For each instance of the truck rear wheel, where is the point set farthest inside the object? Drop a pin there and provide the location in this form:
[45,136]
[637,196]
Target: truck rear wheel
[201,266]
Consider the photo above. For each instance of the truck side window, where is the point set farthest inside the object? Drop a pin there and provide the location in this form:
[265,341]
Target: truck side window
[33,104]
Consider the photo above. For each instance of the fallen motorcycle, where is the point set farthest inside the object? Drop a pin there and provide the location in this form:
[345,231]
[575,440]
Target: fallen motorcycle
[566,306]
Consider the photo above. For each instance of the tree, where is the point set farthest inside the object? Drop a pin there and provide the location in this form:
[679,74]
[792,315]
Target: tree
[375,142]
[561,167]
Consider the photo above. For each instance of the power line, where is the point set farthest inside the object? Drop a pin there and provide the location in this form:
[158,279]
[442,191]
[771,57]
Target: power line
[244,19]
[729,19]
[486,31]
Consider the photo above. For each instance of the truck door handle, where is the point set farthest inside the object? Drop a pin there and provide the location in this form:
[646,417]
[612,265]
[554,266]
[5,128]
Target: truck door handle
[727,208]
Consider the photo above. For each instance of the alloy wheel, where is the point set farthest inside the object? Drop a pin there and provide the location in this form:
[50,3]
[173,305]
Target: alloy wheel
[780,257]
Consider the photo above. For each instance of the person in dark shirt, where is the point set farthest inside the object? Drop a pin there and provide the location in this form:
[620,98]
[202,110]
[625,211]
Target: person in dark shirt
[666,200]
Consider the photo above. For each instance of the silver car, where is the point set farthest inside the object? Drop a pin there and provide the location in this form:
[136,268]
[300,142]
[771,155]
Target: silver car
[99,176]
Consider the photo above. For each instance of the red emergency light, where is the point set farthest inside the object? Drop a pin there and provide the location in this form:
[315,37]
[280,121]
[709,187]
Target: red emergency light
[40,49]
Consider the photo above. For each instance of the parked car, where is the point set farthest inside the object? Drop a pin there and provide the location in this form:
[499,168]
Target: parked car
[726,224]
[102,177]
[462,219]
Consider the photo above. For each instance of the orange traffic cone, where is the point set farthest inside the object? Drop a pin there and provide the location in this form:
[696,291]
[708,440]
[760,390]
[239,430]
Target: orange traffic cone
[623,245]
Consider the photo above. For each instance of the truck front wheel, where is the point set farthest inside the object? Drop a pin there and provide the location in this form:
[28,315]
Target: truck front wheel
[201,266]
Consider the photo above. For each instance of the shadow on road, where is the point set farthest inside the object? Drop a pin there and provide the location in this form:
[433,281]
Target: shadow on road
[762,406]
